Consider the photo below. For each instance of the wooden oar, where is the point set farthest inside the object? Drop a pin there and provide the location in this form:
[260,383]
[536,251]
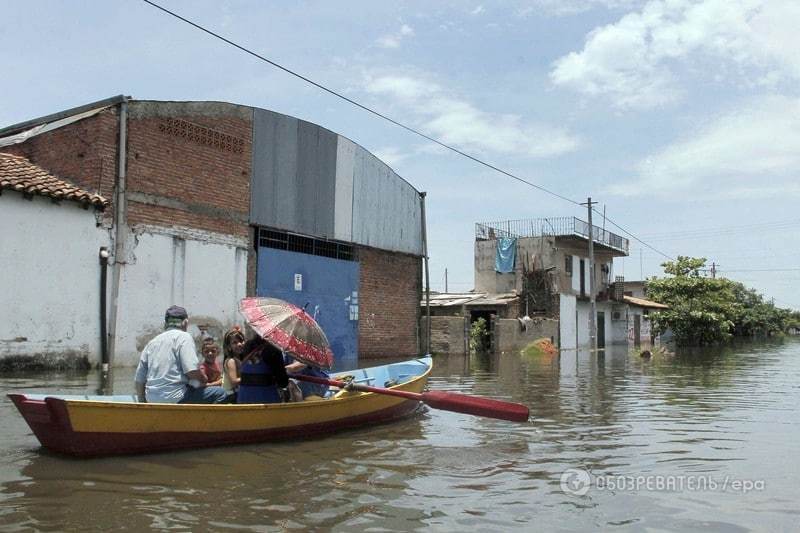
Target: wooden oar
[447,401]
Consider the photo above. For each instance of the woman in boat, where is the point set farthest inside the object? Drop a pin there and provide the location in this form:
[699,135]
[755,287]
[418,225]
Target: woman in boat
[263,375]
[232,348]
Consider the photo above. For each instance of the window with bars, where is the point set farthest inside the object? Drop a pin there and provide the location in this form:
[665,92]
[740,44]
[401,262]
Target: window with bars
[283,240]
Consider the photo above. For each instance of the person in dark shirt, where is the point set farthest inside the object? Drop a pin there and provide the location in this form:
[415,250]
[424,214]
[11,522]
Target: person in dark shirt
[263,375]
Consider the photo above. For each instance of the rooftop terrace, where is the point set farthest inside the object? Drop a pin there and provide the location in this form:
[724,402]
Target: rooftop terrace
[554,227]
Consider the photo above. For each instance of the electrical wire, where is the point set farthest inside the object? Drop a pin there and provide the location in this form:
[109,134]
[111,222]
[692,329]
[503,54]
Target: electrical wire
[634,237]
[360,105]
[397,123]
[761,270]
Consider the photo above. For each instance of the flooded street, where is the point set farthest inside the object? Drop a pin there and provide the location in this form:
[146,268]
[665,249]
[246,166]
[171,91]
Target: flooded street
[703,442]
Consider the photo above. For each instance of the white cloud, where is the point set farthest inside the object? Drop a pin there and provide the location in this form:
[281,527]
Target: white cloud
[457,122]
[393,40]
[572,7]
[390,155]
[477,11]
[749,152]
[633,61]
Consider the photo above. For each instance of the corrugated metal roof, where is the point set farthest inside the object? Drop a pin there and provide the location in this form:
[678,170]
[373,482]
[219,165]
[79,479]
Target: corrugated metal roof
[28,124]
[19,174]
[641,302]
[470,299]
[494,299]
[47,126]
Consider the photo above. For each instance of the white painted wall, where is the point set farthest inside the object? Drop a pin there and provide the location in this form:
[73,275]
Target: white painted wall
[583,324]
[50,290]
[576,274]
[567,331]
[174,266]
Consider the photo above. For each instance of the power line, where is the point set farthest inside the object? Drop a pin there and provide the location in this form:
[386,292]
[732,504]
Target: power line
[637,239]
[391,120]
[722,230]
[359,105]
[762,270]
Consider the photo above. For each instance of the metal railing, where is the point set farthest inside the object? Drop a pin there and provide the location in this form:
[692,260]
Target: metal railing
[556,227]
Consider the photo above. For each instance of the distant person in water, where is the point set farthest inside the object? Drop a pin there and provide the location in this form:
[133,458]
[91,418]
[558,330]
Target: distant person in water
[169,369]
[263,375]
[232,353]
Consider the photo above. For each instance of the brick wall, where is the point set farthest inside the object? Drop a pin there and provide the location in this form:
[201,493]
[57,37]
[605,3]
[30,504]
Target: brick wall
[189,164]
[389,295]
[83,153]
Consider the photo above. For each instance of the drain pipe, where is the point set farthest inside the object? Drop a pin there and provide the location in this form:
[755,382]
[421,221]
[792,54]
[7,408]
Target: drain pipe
[427,275]
[103,287]
[120,226]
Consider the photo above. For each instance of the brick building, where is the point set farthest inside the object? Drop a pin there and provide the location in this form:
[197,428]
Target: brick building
[213,201]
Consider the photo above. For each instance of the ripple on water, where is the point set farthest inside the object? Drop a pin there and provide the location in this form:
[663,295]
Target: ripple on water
[726,414]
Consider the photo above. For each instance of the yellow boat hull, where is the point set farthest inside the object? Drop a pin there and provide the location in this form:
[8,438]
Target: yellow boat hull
[91,427]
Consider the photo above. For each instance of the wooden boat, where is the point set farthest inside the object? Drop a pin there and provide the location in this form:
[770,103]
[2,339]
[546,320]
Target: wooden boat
[111,425]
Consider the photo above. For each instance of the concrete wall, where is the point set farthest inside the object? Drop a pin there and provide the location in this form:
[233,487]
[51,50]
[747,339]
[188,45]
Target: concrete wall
[619,326]
[540,253]
[645,328]
[510,337]
[448,334]
[567,331]
[50,292]
[201,271]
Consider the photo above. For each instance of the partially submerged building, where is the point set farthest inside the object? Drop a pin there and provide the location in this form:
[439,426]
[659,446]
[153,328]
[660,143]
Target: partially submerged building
[199,204]
[546,263]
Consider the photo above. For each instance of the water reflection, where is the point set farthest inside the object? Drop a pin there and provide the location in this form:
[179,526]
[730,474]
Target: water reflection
[723,413]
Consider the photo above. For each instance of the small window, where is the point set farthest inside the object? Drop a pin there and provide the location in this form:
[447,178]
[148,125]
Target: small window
[568,264]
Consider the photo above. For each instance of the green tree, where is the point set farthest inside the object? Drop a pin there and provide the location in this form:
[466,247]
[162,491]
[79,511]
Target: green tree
[757,316]
[701,310]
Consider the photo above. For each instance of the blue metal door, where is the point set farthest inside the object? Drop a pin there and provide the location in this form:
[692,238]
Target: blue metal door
[326,287]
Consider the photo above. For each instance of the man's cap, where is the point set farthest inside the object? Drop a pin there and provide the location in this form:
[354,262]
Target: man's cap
[176,311]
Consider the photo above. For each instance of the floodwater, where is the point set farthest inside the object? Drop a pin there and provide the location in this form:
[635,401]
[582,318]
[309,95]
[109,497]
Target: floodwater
[707,442]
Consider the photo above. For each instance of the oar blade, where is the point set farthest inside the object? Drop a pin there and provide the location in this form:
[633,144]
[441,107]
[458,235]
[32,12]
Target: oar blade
[476,405]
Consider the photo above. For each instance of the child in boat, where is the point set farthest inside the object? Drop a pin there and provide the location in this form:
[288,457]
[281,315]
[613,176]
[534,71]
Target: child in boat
[232,348]
[209,367]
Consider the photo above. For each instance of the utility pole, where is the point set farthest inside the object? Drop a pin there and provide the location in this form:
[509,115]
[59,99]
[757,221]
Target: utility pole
[592,303]
[445,281]
[713,270]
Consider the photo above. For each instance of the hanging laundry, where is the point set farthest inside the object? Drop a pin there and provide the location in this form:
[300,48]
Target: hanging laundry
[506,253]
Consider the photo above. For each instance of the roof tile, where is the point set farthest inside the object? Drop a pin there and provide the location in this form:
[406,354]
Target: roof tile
[19,174]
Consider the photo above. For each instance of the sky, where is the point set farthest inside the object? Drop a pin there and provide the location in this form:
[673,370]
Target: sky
[681,118]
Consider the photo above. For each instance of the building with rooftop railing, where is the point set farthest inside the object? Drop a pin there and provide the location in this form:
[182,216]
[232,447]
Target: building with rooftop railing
[546,262]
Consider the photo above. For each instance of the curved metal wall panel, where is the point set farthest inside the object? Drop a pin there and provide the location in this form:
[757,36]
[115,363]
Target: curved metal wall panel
[386,209]
[309,180]
[294,175]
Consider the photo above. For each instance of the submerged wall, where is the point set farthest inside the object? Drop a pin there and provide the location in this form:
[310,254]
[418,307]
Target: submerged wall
[510,336]
[204,272]
[50,290]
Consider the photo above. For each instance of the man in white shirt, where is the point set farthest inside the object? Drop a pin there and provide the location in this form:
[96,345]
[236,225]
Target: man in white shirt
[168,370]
